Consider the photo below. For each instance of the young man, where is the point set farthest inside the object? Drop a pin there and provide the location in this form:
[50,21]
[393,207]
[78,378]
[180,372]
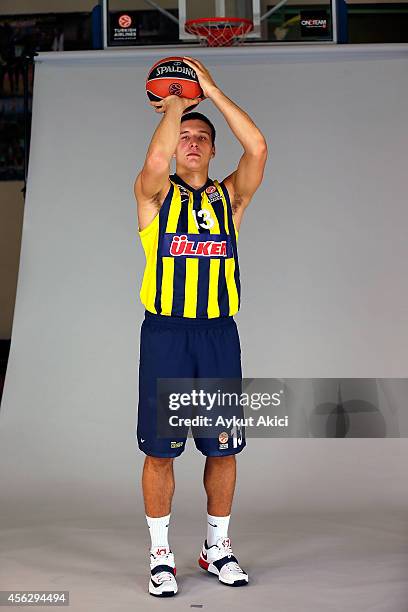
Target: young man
[188,225]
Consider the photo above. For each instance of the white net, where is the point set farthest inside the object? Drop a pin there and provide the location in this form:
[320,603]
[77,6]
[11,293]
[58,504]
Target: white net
[219,31]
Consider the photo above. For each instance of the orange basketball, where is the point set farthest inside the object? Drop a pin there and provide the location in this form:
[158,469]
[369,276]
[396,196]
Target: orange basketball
[172,76]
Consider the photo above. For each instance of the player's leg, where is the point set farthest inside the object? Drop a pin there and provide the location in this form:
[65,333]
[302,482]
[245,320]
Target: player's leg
[219,483]
[158,476]
[220,357]
[162,355]
[158,485]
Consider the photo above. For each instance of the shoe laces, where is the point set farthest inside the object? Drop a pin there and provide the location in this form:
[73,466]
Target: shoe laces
[232,566]
[224,544]
[167,559]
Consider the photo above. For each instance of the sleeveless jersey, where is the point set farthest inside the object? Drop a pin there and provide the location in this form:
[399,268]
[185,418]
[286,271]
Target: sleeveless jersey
[191,254]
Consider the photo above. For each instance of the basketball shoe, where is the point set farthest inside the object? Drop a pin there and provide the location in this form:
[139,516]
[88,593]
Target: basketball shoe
[162,573]
[219,560]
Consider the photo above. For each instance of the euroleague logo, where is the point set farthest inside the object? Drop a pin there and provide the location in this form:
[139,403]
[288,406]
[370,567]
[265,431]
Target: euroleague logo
[175,89]
[125,21]
[212,194]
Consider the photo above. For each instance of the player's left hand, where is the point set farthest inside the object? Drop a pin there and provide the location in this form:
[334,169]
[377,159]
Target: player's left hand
[205,79]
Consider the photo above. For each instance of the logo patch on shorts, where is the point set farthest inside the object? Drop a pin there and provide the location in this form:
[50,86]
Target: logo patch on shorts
[223,440]
[176,444]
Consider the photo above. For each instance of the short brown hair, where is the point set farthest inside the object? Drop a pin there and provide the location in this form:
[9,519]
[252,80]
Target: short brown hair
[201,117]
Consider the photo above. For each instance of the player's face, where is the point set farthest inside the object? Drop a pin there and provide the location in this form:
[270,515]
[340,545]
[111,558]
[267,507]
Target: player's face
[194,149]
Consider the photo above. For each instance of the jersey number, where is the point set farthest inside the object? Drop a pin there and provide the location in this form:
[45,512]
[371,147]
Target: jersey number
[208,221]
[236,434]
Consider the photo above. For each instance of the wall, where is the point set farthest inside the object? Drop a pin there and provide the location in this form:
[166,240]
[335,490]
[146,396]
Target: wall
[322,250]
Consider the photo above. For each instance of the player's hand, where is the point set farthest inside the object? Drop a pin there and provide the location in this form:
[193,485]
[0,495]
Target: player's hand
[182,104]
[205,79]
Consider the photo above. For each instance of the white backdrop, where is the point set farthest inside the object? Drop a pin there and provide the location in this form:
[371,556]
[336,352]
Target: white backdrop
[323,254]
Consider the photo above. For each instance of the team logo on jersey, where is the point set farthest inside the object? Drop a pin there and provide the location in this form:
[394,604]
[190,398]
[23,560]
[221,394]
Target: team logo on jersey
[184,194]
[196,245]
[211,189]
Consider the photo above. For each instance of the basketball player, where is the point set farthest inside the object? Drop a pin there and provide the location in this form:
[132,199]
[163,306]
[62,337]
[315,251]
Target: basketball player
[191,292]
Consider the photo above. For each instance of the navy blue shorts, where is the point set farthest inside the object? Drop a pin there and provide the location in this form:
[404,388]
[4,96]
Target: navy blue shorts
[179,347]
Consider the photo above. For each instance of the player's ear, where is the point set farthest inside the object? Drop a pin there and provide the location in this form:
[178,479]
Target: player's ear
[213,151]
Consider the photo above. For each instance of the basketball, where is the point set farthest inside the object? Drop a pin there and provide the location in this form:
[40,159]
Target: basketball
[172,76]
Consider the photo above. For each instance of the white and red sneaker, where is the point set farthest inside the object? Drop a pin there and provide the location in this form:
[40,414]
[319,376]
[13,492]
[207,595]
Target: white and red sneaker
[219,560]
[162,573]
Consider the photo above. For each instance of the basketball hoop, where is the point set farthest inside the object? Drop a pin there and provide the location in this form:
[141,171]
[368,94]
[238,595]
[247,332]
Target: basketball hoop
[219,31]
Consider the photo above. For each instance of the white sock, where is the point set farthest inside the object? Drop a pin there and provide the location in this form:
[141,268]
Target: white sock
[159,529]
[217,527]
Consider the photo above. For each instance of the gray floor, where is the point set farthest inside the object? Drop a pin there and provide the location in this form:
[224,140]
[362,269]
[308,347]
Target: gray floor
[323,562]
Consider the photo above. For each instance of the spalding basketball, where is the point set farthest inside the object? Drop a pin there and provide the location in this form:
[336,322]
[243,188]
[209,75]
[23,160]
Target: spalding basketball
[172,76]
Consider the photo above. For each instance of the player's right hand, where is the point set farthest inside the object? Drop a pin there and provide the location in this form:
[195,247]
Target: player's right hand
[174,101]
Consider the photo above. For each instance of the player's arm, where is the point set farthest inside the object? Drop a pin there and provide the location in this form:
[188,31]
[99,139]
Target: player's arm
[245,180]
[153,181]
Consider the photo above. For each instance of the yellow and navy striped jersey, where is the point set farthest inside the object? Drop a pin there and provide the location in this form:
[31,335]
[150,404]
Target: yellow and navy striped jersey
[191,254]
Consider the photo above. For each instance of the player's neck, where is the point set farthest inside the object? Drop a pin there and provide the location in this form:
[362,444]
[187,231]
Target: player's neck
[195,178]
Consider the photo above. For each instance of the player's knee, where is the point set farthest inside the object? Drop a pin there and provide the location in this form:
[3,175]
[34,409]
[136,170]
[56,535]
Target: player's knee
[222,458]
[159,463]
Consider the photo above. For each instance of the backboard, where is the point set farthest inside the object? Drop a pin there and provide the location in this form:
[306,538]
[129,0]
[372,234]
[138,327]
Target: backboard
[191,9]
[162,22]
